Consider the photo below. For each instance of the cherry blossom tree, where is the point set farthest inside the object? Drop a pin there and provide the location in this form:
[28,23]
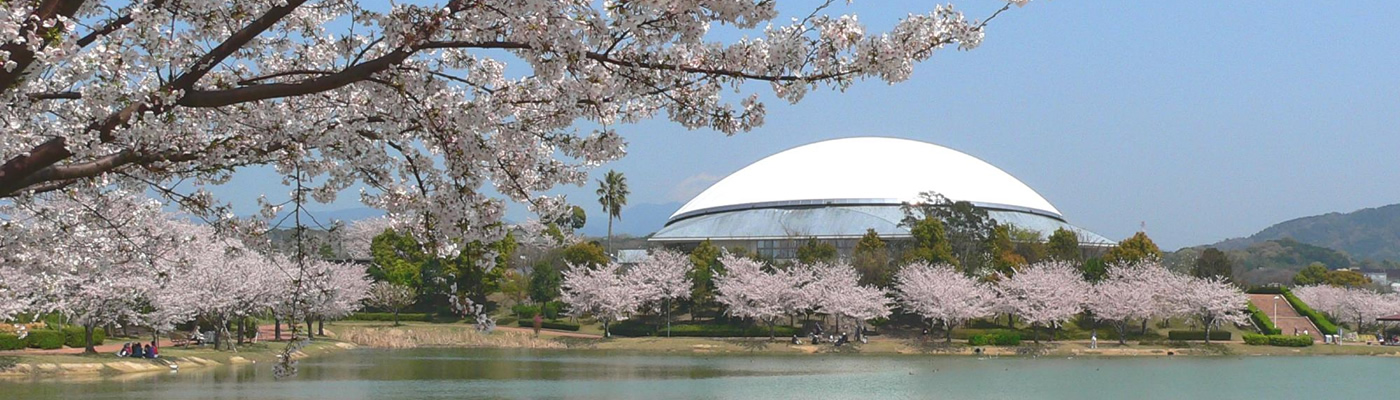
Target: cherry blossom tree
[388,296]
[1211,301]
[1127,293]
[225,282]
[1358,305]
[747,291]
[662,277]
[1046,293]
[411,99]
[603,293]
[358,236]
[92,258]
[335,290]
[941,293]
[14,293]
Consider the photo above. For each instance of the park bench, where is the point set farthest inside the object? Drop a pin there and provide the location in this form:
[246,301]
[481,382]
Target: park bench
[180,339]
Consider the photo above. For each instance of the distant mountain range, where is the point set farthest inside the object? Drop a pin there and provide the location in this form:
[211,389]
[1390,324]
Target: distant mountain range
[1367,234]
[637,220]
[1368,238]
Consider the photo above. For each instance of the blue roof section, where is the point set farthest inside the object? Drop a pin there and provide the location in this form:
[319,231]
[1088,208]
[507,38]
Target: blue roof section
[834,222]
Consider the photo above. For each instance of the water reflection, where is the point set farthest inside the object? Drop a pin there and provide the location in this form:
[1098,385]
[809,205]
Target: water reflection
[466,373]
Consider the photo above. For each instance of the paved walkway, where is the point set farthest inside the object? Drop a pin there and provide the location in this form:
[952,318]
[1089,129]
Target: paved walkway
[1287,320]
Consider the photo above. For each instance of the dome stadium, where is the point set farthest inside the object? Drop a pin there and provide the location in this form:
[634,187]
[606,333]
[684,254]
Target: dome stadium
[836,190]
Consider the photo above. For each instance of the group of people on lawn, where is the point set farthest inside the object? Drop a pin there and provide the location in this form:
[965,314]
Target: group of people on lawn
[138,350]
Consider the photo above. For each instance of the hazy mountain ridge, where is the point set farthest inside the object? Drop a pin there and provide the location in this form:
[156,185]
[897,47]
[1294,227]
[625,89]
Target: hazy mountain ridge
[1366,234]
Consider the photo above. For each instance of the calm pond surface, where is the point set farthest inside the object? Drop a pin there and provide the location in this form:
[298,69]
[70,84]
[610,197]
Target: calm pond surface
[482,374]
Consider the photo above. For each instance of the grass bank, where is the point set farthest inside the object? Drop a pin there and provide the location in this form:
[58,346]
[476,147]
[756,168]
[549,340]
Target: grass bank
[24,366]
[411,335]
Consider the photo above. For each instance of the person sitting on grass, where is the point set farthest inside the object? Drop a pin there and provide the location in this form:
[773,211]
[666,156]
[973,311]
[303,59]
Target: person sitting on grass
[151,351]
[136,351]
[125,351]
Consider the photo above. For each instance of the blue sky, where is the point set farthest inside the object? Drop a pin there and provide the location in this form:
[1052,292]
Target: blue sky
[1204,120]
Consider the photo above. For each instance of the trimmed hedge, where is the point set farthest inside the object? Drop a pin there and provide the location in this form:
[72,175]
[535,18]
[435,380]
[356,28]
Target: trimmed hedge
[1002,338]
[1263,321]
[699,330]
[389,317]
[74,336]
[45,339]
[1266,290]
[548,324]
[1323,324]
[11,342]
[1278,340]
[1198,335]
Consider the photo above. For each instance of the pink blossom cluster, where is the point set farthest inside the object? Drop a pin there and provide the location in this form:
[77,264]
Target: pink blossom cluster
[431,107]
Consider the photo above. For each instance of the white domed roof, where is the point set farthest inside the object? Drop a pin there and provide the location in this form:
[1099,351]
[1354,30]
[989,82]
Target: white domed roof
[866,170]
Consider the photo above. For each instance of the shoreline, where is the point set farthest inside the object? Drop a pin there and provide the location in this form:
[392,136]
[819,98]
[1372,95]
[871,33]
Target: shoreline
[17,366]
[464,336]
[385,337]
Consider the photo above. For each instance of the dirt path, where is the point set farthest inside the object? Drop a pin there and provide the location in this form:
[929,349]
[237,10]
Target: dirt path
[1285,318]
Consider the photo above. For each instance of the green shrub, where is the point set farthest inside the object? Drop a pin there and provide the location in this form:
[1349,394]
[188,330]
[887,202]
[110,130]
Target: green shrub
[11,342]
[1255,339]
[368,316]
[1278,340]
[548,310]
[524,311]
[551,309]
[997,338]
[1198,335]
[1290,340]
[1323,324]
[1265,290]
[45,339]
[1263,321]
[550,324]
[74,336]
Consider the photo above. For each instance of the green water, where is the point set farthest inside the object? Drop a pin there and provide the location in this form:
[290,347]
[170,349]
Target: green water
[480,374]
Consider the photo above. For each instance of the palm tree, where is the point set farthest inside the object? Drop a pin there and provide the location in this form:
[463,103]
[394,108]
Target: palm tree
[612,194]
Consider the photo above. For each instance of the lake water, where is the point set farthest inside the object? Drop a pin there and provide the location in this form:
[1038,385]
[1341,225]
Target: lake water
[482,374]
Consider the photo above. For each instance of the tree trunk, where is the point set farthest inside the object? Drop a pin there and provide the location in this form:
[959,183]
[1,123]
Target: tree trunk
[609,234]
[668,317]
[1144,326]
[1122,332]
[396,317]
[242,325]
[218,334]
[310,333]
[1207,333]
[606,334]
[87,336]
[276,327]
[1036,332]
[321,327]
[948,332]
[771,323]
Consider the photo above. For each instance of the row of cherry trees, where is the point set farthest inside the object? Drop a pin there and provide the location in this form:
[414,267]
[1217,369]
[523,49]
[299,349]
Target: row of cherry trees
[1048,294]
[1045,295]
[1348,305]
[122,260]
[610,293]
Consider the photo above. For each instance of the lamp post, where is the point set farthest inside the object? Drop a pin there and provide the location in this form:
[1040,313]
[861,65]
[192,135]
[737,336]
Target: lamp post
[1276,299]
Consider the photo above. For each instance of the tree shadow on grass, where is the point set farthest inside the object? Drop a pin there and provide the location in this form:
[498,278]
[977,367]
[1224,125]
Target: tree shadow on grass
[935,346]
[751,345]
[579,343]
[8,362]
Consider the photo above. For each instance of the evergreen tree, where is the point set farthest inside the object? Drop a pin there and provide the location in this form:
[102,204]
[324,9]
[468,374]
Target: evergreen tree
[872,260]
